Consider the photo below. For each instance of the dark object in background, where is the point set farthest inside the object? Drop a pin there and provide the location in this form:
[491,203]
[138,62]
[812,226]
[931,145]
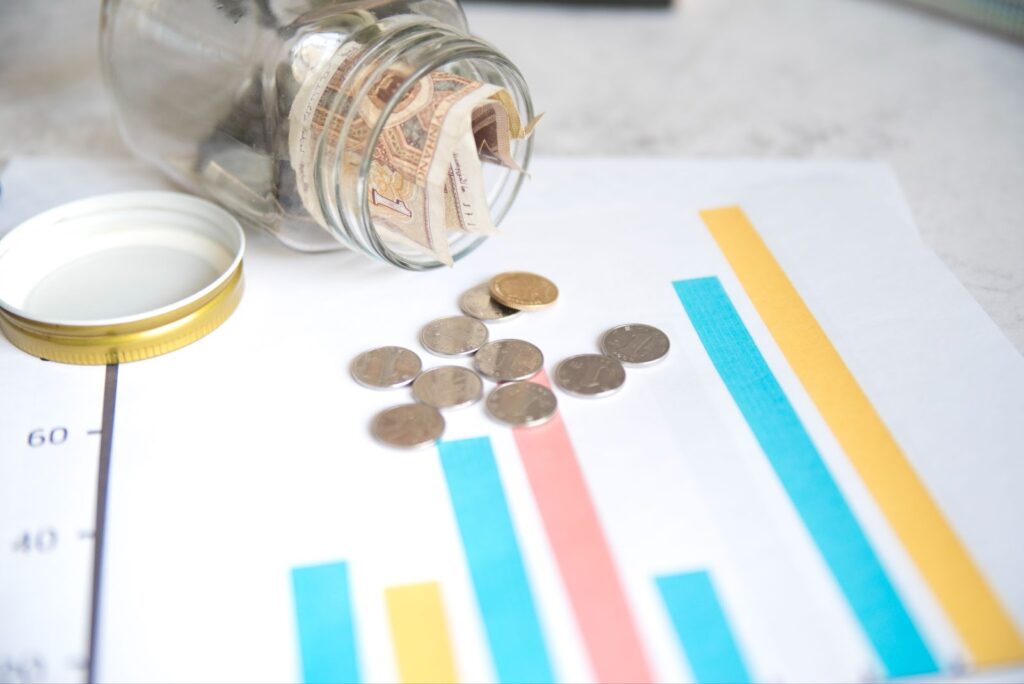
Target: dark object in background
[621,4]
[1001,16]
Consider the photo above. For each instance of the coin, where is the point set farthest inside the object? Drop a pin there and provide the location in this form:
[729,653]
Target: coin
[505,360]
[386,367]
[453,336]
[522,404]
[590,375]
[448,387]
[478,303]
[408,425]
[523,291]
[635,344]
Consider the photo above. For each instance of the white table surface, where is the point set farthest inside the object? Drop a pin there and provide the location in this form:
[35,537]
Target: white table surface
[942,103]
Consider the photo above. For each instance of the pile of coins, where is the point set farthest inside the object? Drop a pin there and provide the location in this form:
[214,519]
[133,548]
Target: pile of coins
[508,362]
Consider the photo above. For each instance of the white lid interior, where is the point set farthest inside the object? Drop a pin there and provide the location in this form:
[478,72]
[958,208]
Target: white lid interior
[117,258]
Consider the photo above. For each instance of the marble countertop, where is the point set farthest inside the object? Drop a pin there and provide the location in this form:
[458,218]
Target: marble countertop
[941,102]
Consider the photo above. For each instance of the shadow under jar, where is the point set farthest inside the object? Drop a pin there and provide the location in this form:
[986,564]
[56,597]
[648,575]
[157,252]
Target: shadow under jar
[216,93]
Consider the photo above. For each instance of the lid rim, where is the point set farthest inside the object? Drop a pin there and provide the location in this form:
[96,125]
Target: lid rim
[142,200]
[207,232]
[58,343]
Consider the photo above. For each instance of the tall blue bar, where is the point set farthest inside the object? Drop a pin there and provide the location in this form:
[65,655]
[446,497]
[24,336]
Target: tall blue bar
[327,637]
[702,628]
[806,479]
[502,589]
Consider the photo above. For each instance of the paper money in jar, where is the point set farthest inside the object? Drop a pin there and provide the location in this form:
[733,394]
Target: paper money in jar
[426,178]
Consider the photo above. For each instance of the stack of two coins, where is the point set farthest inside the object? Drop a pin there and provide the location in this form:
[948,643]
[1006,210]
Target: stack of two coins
[511,362]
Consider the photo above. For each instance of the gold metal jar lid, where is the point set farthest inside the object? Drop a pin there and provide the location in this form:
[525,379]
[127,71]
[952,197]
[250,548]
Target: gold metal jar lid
[119,277]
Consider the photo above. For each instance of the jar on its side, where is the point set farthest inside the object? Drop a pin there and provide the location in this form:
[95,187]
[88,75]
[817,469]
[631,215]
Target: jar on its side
[212,92]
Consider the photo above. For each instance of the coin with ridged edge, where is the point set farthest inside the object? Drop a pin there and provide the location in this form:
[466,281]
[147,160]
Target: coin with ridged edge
[408,426]
[590,375]
[522,404]
[448,387]
[508,360]
[635,344]
[386,367]
[454,336]
[478,303]
[523,291]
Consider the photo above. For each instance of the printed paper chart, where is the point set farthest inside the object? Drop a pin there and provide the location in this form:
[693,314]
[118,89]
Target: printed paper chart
[821,482]
[691,600]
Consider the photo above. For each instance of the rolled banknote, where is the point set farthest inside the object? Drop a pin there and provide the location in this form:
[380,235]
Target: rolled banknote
[426,176]
[465,197]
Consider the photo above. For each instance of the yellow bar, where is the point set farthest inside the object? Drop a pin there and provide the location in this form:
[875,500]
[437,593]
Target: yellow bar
[970,603]
[420,633]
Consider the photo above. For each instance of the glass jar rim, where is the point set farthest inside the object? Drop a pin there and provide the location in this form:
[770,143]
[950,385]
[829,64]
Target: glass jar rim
[354,224]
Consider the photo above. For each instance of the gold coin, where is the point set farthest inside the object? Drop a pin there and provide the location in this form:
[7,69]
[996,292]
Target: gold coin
[523,291]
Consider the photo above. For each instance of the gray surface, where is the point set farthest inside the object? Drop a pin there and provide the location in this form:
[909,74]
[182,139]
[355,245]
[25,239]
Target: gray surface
[943,103]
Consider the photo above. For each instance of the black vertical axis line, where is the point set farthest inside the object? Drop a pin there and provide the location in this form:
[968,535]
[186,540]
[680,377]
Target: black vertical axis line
[102,481]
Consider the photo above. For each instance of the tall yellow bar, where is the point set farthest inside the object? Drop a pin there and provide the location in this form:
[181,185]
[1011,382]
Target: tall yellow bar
[972,606]
[420,634]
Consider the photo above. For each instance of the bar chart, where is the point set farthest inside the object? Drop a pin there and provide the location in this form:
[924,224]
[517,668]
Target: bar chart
[695,610]
[505,599]
[796,461]
[324,621]
[503,592]
[702,627]
[821,481]
[923,529]
[422,643]
[581,549]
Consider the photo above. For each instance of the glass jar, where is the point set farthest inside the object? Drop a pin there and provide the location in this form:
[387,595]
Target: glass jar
[212,92]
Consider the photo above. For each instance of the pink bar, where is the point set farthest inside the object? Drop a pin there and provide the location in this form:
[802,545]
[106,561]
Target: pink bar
[581,551]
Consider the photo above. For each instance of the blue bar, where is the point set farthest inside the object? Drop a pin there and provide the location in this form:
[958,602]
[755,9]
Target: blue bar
[806,478]
[702,629]
[327,637]
[495,563]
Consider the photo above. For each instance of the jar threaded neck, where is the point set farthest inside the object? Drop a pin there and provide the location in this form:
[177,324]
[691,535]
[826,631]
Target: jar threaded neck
[342,188]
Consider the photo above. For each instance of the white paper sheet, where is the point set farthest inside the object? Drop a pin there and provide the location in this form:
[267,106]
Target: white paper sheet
[248,454]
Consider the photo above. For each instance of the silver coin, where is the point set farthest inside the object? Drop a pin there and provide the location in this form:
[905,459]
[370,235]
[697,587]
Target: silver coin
[408,425]
[386,367]
[522,404]
[448,387]
[590,375]
[507,360]
[635,344]
[454,336]
[478,303]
